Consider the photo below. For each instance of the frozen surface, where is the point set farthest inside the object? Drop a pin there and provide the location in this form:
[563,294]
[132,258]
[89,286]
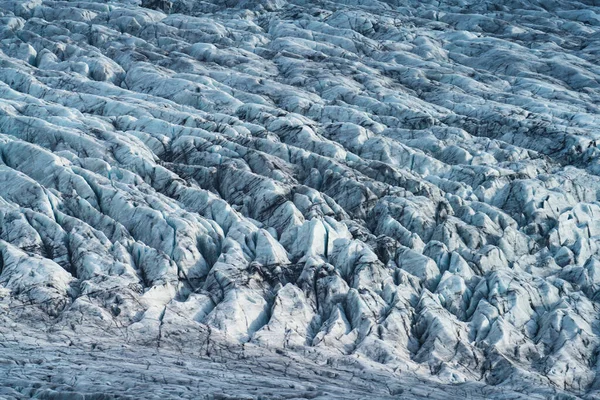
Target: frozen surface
[34,367]
[391,198]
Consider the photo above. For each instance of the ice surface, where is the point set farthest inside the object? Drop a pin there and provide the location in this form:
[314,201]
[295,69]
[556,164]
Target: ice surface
[299,199]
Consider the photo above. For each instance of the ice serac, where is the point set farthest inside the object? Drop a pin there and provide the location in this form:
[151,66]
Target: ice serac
[401,191]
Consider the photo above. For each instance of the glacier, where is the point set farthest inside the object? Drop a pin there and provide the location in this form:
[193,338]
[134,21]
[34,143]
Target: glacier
[269,199]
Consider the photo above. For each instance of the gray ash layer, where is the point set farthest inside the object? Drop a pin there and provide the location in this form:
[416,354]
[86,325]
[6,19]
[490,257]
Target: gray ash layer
[308,198]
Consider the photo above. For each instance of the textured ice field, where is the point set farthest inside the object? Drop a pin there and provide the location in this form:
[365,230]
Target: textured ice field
[271,199]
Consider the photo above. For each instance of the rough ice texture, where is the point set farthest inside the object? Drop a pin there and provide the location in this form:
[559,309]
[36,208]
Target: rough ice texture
[300,198]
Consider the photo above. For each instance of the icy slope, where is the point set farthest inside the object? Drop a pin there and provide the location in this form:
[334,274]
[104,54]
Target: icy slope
[411,185]
[56,370]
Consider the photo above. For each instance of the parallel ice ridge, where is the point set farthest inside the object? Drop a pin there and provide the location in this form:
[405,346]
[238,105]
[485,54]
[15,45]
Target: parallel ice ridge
[412,184]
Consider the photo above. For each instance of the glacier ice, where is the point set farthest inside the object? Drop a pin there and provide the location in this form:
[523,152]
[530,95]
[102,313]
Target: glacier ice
[382,197]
